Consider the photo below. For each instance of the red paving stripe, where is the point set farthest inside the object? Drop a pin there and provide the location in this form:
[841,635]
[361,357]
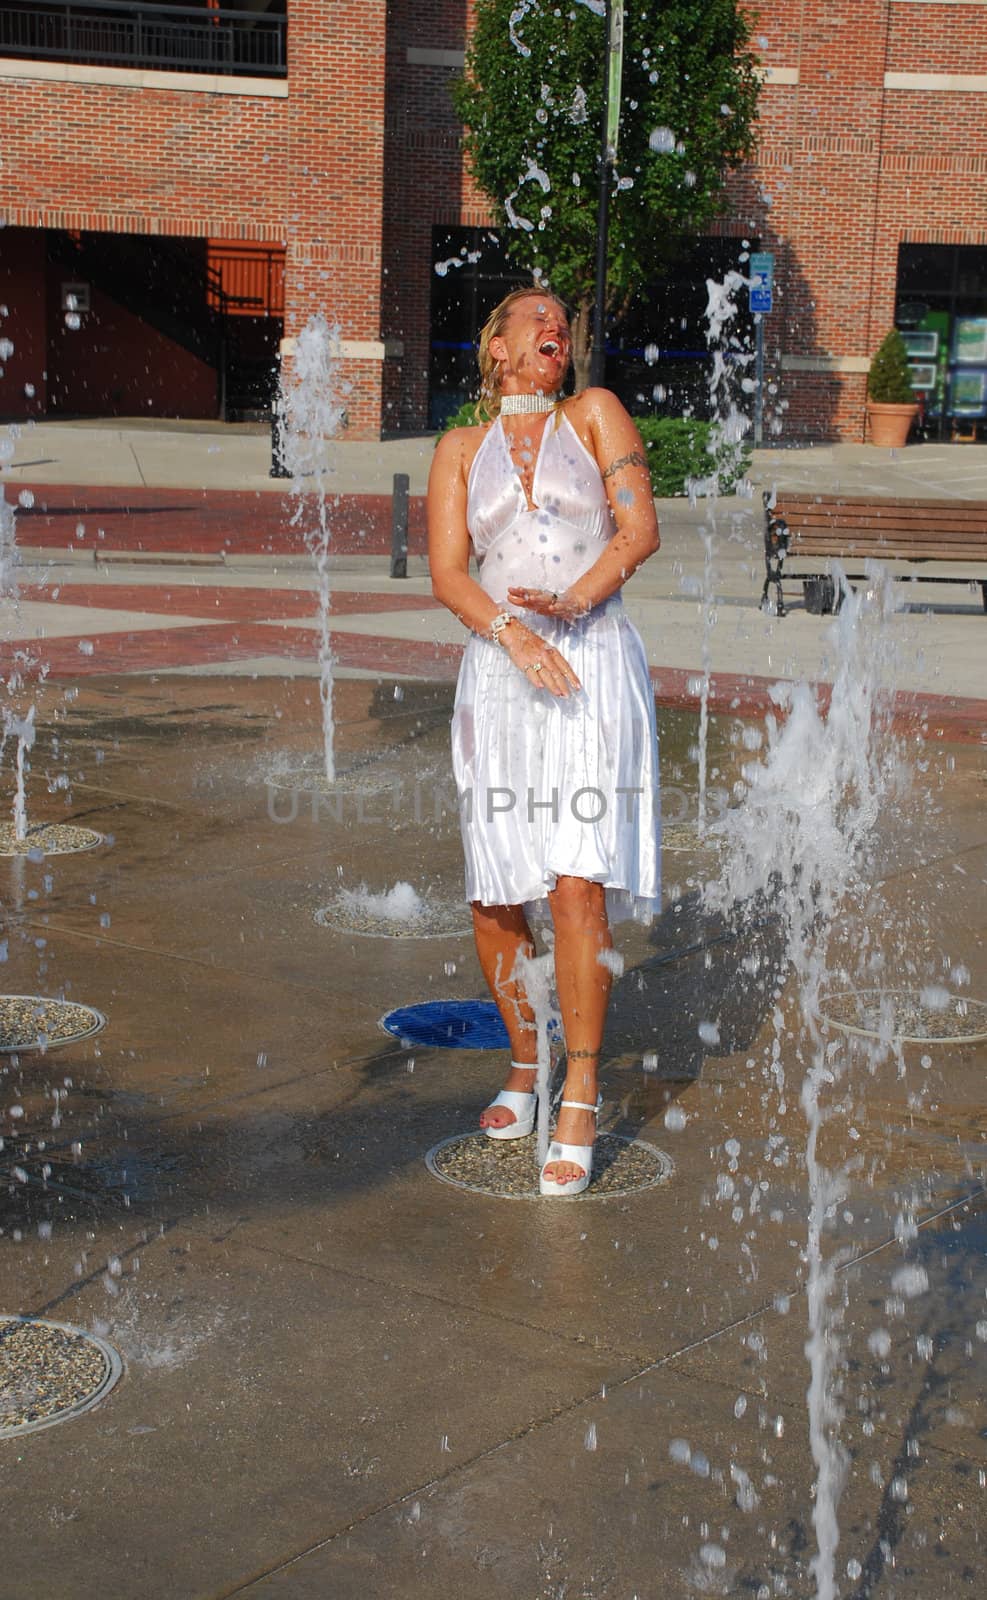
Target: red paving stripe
[950,718]
[936,717]
[156,648]
[82,656]
[409,658]
[224,602]
[206,521]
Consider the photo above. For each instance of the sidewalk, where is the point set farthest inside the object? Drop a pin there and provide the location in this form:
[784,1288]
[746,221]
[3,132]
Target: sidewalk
[195,455]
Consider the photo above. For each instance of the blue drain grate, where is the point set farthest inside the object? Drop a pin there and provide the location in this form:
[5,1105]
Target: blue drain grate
[449,1025]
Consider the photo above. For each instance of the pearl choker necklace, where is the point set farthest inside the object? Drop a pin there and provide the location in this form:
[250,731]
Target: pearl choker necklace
[513,405]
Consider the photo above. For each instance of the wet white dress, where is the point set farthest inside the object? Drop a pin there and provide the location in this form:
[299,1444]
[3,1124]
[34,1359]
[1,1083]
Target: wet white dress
[551,786]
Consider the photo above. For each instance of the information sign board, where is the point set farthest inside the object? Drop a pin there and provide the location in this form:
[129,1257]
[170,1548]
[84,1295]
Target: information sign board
[762,274]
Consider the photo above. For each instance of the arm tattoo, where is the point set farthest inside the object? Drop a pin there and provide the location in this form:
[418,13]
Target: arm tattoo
[635,459]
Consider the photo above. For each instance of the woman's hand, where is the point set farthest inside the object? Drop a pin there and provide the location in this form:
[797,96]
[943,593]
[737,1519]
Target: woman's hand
[566,607]
[540,662]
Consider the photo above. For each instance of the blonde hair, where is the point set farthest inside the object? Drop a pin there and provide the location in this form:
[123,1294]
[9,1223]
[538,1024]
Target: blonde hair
[487,407]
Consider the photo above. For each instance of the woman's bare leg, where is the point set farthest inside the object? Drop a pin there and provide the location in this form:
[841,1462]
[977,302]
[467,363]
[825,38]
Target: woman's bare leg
[582,980]
[502,934]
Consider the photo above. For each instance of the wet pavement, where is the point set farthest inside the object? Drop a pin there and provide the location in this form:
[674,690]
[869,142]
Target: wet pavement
[343,1377]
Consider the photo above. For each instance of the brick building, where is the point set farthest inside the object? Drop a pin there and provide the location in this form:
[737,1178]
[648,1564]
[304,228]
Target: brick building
[869,188]
[182,185]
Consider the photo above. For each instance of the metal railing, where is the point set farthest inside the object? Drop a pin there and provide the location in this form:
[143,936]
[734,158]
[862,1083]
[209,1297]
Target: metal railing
[168,38]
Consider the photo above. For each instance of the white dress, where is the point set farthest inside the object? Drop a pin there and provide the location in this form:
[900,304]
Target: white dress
[551,786]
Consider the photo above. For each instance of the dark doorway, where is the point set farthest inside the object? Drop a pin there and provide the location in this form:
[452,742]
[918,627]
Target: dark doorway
[657,357]
[470,274]
[941,310]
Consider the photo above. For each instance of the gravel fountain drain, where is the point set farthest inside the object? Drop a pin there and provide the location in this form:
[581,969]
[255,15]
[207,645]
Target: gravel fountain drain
[360,915]
[303,780]
[50,1372]
[907,1016]
[48,838]
[508,1169]
[32,1022]
[686,836]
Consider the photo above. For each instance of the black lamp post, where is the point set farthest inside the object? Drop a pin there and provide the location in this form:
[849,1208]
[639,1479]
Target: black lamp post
[613,62]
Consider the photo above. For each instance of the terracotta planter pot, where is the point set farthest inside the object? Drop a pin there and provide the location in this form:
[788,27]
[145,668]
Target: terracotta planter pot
[890,425]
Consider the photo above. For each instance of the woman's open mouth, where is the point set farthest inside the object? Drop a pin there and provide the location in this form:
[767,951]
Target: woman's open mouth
[550,347]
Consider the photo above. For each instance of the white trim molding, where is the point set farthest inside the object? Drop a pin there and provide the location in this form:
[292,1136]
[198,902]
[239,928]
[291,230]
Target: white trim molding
[418,56]
[356,349]
[371,349]
[938,82]
[141,78]
[825,363]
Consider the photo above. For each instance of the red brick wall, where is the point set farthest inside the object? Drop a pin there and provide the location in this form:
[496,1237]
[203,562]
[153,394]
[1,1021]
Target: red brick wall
[333,205]
[304,172]
[845,172]
[934,38]
[121,159]
[353,169]
[137,160]
[424,185]
[853,170]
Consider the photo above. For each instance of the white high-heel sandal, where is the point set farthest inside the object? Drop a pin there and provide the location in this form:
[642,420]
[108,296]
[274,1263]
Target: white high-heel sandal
[523,1106]
[581,1155]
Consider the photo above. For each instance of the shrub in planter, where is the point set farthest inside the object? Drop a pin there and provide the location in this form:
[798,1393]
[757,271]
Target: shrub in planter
[680,450]
[889,381]
[891,405]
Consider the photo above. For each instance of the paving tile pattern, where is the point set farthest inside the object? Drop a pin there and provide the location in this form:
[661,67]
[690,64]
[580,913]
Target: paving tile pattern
[212,521]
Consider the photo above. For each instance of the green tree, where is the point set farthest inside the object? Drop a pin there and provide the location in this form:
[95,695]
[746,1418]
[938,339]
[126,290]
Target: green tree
[531,100]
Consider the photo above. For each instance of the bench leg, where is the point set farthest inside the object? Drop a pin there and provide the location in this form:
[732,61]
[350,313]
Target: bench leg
[779,597]
[983,594]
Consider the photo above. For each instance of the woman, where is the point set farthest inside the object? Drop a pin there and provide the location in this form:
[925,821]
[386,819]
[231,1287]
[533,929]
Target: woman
[554,742]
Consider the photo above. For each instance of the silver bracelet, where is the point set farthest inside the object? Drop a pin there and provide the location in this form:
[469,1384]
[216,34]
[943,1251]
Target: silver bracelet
[499,623]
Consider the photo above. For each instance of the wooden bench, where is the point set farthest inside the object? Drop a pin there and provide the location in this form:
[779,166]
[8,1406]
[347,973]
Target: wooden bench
[805,533]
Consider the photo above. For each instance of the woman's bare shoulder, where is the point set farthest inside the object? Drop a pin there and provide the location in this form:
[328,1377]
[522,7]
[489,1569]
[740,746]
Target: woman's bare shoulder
[456,449]
[594,406]
[598,418]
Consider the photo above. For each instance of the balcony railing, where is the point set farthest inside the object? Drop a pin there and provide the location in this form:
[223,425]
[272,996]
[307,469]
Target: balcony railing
[163,37]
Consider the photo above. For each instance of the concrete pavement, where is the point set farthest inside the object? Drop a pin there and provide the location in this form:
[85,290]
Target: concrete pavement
[133,453]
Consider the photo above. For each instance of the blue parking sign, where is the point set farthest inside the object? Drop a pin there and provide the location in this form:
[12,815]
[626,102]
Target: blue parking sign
[762,272]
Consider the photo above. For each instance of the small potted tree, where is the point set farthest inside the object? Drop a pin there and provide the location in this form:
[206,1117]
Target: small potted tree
[891,403]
